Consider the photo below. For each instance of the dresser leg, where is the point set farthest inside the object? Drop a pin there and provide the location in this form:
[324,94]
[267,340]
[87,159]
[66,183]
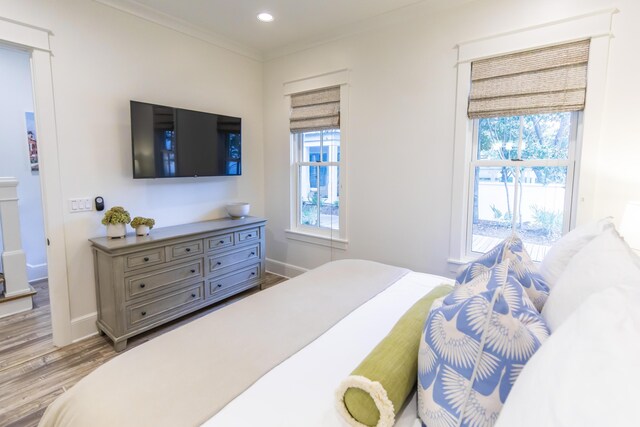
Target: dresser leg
[100,332]
[120,345]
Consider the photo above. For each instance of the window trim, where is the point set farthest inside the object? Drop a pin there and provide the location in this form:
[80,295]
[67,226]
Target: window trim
[323,237]
[598,27]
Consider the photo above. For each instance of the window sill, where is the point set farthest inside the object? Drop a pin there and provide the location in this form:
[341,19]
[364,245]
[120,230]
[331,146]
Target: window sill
[455,264]
[317,239]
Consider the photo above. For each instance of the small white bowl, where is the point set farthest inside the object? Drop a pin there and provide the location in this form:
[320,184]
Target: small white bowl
[238,210]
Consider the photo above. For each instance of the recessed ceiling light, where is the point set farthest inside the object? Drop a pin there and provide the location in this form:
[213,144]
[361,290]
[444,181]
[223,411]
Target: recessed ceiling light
[265,17]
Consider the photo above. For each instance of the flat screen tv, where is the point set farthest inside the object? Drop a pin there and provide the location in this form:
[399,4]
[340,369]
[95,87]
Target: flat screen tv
[172,142]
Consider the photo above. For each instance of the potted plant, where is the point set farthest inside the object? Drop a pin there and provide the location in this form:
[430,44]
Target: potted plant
[115,219]
[142,225]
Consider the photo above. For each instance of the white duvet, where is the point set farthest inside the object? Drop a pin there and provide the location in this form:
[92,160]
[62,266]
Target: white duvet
[301,390]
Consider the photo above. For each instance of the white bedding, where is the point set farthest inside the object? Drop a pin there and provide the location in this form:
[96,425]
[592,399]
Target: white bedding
[301,390]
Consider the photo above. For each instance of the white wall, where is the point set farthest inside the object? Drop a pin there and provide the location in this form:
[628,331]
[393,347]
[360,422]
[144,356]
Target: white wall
[16,99]
[102,58]
[400,147]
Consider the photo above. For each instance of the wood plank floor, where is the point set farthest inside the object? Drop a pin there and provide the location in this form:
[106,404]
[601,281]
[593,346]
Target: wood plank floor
[33,372]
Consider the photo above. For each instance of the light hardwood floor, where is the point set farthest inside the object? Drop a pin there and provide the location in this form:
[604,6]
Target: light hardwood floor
[33,372]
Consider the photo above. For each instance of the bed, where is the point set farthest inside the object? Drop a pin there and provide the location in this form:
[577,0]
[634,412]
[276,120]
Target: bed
[277,365]
[277,357]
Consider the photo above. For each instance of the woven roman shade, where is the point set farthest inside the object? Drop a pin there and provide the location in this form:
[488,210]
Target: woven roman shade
[546,80]
[316,110]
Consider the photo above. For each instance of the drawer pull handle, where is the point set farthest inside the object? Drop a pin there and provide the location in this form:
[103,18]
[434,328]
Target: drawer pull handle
[248,235]
[252,254]
[144,313]
[193,295]
[188,249]
[221,242]
[253,273]
[142,285]
[146,259]
[193,270]
[219,285]
[218,263]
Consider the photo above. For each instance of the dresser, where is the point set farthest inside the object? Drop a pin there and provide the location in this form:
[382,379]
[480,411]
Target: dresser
[145,281]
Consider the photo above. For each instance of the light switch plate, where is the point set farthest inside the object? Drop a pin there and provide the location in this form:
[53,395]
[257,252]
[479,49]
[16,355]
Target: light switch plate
[83,204]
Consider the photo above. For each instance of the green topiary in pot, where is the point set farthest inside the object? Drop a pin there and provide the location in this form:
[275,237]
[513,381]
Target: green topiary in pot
[115,220]
[139,220]
[142,225]
[116,215]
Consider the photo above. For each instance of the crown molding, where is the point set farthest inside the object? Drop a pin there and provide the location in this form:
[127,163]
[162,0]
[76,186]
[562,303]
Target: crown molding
[419,7]
[141,11]
[392,17]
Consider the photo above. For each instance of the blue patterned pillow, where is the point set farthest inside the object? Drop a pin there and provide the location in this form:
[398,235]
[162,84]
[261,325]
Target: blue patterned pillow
[521,267]
[475,342]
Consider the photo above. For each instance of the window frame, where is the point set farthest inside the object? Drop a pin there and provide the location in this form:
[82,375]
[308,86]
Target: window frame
[598,27]
[572,163]
[324,237]
[297,155]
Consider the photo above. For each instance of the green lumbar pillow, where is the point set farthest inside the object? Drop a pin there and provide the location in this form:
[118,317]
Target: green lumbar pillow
[376,390]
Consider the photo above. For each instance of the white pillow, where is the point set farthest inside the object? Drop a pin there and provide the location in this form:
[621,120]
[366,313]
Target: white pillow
[570,244]
[605,261]
[587,372]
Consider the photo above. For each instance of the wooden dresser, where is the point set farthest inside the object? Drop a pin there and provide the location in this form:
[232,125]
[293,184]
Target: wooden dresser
[143,282]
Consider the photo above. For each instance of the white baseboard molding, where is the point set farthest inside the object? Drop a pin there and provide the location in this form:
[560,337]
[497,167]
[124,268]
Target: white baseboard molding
[83,327]
[284,269]
[36,272]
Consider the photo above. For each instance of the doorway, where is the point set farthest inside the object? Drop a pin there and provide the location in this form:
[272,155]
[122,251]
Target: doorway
[36,41]
[19,157]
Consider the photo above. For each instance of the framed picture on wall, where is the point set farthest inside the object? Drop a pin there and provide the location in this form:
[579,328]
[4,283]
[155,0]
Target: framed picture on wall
[32,141]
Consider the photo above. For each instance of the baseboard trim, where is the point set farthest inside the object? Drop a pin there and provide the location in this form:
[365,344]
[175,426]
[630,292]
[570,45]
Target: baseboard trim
[84,327]
[36,272]
[283,269]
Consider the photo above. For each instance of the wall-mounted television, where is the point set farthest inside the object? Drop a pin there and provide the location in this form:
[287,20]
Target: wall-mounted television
[172,142]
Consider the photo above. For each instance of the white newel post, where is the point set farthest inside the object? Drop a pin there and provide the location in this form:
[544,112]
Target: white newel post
[14,261]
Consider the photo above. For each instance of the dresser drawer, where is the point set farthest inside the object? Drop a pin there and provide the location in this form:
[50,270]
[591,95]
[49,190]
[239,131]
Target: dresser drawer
[144,259]
[219,286]
[247,235]
[142,284]
[227,259]
[219,242]
[165,306]
[185,249]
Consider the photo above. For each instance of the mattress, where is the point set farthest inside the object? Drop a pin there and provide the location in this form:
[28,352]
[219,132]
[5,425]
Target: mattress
[301,390]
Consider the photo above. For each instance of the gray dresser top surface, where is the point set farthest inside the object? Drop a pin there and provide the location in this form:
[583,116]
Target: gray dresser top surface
[166,233]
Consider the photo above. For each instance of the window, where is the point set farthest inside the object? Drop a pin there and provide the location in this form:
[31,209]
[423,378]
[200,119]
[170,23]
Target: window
[523,106]
[317,138]
[521,178]
[318,177]
[532,74]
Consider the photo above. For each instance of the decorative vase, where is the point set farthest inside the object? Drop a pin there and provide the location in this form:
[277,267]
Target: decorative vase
[142,230]
[115,231]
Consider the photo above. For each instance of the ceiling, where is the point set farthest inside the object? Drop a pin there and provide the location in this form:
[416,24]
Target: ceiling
[233,23]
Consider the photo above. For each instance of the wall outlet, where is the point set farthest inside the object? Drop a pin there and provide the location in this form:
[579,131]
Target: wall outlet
[80,205]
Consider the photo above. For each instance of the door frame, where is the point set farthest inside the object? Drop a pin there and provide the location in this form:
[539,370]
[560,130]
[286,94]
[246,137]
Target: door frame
[35,40]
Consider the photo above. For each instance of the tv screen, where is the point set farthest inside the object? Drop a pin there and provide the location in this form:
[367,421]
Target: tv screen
[172,142]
